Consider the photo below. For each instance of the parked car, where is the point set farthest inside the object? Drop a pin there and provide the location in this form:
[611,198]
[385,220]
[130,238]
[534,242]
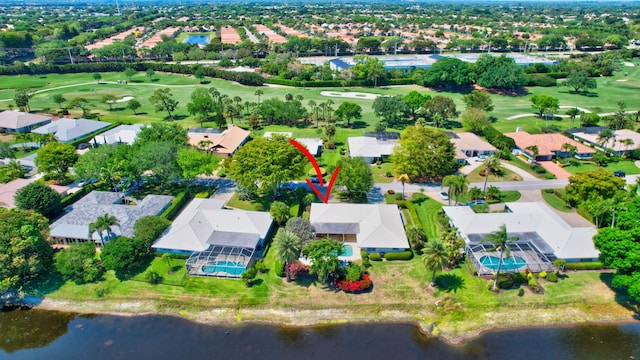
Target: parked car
[476,202]
[619,174]
[83,146]
[481,158]
[443,195]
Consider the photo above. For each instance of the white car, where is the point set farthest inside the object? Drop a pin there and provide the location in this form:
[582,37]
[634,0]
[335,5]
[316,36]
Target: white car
[443,195]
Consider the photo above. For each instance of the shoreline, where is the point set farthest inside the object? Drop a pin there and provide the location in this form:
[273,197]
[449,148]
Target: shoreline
[449,332]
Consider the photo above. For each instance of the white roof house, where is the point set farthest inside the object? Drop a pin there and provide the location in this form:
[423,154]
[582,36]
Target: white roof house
[123,134]
[377,227]
[312,144]
[532,222]
[68,130]
[204,222]
[618,143]
[21,122]
[370,148]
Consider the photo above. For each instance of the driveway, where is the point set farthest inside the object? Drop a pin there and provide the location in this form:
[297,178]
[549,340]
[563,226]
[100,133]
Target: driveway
[555,169]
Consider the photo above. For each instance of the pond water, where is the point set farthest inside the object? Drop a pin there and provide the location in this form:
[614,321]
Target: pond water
[201,40]
[54,335]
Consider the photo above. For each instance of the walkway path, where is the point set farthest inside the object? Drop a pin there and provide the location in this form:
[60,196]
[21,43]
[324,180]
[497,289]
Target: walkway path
[628,112]
[555,169]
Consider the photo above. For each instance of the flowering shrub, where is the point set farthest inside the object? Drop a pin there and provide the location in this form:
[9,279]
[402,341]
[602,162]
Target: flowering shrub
[354,286]
[296,269]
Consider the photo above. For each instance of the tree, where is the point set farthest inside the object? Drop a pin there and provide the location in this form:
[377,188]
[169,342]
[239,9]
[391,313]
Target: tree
[280,212]
[424,154]
[201,103]
[262,165]
[592,185]
[6,151]
[579,79]
[403,178]
[25,251]
[534,151]
[543,103]
[475,120]
[500,241]
[133,105]
[355,176]
[368,68]
[458,186]
[163,101]
[161,158]
[194,162]
[500,72]
[589,119]
[448,72]
[259,93]
[78,263]
[287,246]
[121,254]
[39,197]
[58,99]
[440,109]
[103,224]
[415,101]
[21,98]
[129,73]
[417,237]
[56,158]
[148,229]
[390,108]
[477,99]
[491,163]
[324,258]
[605,136]
[108,99]
[80,103]
[435,258]
[200,75]
[572,112]
[301,227]
[97,76]
[349,110]
[330,131]
[163,132]
[150,73]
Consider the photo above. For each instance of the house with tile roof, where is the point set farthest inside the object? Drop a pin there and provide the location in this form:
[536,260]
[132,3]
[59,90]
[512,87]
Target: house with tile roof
[224,144]
[8,191]
[623,140]
[21,122]
[549,146]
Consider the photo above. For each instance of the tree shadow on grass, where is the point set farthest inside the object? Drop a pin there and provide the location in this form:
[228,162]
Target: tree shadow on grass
[450,282]
[358,124]
[305,281]
[622,297]
[176,117]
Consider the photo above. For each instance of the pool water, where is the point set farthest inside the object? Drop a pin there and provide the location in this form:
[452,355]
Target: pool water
[347,250]
[511,263]
[197,39]
[230,267]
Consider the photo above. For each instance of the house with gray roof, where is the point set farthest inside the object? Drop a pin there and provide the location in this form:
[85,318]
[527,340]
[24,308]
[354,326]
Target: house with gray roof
[68,130]
[542,237]
[371,148]
[21,122]
[122,134]
[372,227]
[221,242]
[74,225]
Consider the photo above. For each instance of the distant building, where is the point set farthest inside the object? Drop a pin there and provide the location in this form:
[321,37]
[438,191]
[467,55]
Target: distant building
[623,140]
[224,144]
[68,130]
[8,191]
[21,122]
[123,134]
[549,146]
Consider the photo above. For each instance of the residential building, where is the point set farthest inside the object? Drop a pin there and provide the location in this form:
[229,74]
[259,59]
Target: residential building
[550,146]
[373,146]
[68,130]
[372,227]
[74,225]
[224,144]
[221,242]
[123,134]
[8,191]
[622,141]
[21,122]
[469,145]
[542,237]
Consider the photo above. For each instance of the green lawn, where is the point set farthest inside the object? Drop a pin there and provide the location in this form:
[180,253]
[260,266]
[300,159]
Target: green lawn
[507,175]
[628,166]
[556,202]
[427,210]
[380,173]
[516,161]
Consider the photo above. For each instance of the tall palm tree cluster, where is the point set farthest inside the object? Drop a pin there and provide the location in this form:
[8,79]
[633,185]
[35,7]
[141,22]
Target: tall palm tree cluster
[101,225]
[458,186]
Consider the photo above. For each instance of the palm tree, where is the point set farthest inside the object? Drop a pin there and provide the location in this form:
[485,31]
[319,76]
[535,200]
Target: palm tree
[491,163]
[458,186]
[627,143]
[435,258]
[572,112]
[287,246]
[103,223]
[604,137]
[259,93]
[499,239]
[533,149]
[448,181]
[403,178]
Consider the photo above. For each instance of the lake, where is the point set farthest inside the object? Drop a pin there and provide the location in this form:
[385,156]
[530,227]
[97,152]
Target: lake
[54,335]
[201,40]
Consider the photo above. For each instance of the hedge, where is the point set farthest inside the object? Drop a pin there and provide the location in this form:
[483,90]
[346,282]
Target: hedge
[543,80]
[88,138]
[178,202]
[596,265]
[375,257]
[405,255]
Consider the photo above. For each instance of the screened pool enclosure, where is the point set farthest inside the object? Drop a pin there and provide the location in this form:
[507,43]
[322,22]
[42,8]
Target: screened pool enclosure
[221,261]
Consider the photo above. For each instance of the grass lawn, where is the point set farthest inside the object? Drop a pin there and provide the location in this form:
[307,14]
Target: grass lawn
[628,166]
[380,173]
[524,166]
[427,210]
[556,202]
[507,175]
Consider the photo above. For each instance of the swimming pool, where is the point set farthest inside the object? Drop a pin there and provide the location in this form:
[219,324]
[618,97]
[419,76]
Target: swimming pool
[230,267]
[196,39]
[511,263]
[347,250]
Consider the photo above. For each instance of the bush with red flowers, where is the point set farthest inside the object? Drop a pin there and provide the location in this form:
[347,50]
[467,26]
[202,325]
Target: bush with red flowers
[297,269]
[354,286]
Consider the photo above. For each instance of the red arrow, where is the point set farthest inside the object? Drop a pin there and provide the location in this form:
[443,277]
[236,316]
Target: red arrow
[325,197]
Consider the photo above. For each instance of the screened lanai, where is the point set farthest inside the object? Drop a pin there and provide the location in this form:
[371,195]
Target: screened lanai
[221,261]
[523,255]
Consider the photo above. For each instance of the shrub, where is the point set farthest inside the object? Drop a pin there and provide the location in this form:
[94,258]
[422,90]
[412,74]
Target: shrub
[533,284]
[360,285]
[552,277]
[549,176]
[596,265]
[175,206]
[202,195]
[278,267]
[249,275]
[375,257]
[152,277]
[260,266]
[542,275]
[518,278]
[521,292]
[559,263]
[405,255]
[353,272]
[505,283]
[398,197]
[297,269]
[402,204]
